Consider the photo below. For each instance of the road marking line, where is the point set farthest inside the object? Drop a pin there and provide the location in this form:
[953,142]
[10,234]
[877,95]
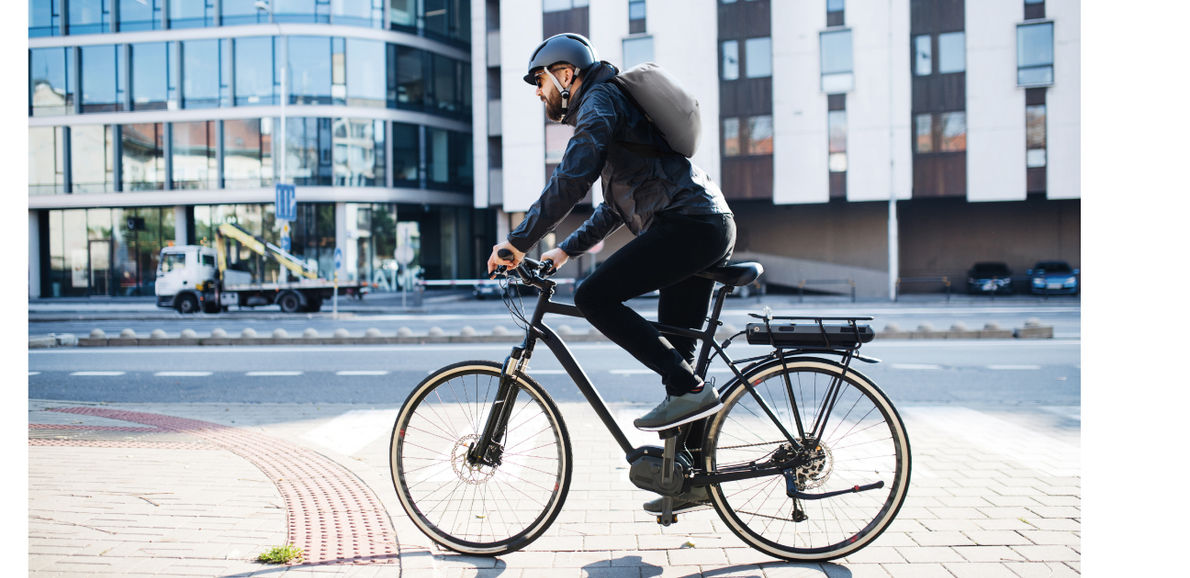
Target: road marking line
[547,372]
[34,373]
[182,374]
[1014,367]
[98,373]
[271,373]
[361,372]
[915,366]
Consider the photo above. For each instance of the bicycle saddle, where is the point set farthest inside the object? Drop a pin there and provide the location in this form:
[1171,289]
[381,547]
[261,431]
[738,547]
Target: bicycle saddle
[734,274]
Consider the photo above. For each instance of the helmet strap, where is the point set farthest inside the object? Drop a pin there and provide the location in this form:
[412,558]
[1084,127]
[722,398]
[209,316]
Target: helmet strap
[565,92]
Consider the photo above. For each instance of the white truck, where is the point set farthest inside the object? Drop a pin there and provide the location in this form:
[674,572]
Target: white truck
[193,277]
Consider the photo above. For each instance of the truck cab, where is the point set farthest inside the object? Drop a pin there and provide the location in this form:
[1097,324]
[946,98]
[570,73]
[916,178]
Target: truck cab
[183,273]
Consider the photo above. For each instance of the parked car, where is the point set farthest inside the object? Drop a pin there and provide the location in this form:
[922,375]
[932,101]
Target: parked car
[488,288]
[989,277]
[1053,278]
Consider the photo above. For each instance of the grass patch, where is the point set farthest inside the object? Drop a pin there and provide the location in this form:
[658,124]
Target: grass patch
[281,555]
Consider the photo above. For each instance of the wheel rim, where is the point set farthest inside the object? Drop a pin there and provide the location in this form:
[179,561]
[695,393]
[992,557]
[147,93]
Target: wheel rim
[189,305]
[478,509]
[861,445]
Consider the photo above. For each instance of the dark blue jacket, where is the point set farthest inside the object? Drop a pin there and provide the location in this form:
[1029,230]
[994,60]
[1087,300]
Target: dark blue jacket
[642,177]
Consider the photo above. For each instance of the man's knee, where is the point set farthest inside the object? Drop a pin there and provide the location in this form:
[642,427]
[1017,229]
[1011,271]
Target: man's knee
[587,297]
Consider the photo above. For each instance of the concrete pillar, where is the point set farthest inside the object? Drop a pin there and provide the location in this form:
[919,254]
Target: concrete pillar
[34,256]
[181,225]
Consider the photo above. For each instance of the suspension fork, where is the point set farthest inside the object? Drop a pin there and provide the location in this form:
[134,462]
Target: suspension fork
[487,449]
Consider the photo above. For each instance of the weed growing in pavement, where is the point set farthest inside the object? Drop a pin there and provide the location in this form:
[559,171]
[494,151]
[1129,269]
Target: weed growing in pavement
[281,555]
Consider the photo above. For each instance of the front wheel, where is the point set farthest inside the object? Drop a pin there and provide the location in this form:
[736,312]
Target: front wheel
[479,509]
[863,447]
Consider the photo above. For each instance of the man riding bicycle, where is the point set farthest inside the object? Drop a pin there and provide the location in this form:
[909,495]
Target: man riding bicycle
[681,220]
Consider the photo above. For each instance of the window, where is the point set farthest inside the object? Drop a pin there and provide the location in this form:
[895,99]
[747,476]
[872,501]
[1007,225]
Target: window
[923,55]
[834,12]
[731,137]
[47,159]
[923,133]
[141,15]
[758,57]
[836,61]
[952,52]
[760,135]
[730,67]
[637,11]
[309,151]
[150,75]
[89,16]
[406,154]
[301,10]
[836,123]
[92,157]
[368,13]
[451,88]
[142,162]
[254,76]
[940,132]
[240,12]
[247,153]
[1035,136]
[203,83]
[192,13]
[102,86]
[637,51]
[310,70]
[365,87]
[338,71]
[448,159]
[1035,54]
[402,14]
[50,90]
[953,133]
[45,18]
[173,262]
[449,19]
[411,84]
[358,152]
[194,164]
[558,5]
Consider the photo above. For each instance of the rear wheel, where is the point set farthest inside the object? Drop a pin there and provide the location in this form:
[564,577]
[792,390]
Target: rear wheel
[863,446]
[289,302]
[471,508]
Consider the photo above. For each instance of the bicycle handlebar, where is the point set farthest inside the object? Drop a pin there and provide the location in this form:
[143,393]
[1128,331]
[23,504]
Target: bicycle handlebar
[528,270]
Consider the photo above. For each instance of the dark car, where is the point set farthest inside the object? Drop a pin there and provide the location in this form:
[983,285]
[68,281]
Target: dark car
[989,277]
[1053,278]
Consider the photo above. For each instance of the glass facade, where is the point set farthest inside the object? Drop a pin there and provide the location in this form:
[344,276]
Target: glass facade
[113,250]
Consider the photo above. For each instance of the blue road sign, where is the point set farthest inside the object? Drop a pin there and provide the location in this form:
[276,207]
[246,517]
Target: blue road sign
[285,243]
[286,203]
[338,258]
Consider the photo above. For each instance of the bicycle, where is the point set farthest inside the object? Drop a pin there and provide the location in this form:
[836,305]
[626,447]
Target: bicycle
[808,460]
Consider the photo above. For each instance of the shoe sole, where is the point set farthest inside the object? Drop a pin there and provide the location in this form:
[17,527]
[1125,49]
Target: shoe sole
[695,417]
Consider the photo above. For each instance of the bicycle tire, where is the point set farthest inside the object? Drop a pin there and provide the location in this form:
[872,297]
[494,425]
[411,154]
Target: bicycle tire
[865,442]
[479,510]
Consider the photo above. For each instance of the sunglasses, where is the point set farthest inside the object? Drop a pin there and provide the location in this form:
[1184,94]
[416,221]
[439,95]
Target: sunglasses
[539,78]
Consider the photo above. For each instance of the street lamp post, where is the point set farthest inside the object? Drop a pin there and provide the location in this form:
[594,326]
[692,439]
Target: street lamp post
[267,6]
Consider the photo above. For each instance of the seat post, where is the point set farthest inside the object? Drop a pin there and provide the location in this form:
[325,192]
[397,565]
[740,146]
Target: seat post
[712,326]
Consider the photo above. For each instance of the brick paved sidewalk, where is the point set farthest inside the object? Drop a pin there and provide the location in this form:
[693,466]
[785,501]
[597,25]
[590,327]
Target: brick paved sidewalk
[201,489]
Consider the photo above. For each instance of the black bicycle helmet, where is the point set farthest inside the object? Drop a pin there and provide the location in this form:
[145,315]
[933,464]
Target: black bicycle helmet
[567,47]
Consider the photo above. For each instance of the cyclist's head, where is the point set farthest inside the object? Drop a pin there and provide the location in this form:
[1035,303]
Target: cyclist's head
[566,48]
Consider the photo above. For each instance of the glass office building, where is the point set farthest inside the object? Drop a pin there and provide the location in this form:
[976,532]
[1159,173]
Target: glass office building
[153,121]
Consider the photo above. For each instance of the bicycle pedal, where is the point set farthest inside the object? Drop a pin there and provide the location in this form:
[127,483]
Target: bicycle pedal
[664,523]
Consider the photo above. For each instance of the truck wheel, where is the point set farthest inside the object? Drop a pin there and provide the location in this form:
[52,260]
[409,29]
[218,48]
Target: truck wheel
[211,306]
[187,304]
[290,303]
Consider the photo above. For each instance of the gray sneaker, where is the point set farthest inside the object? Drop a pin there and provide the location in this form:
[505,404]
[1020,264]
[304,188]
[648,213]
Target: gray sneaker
[679,409]
[692,500]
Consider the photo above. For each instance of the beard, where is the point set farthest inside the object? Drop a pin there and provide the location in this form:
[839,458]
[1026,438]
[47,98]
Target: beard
[553,107]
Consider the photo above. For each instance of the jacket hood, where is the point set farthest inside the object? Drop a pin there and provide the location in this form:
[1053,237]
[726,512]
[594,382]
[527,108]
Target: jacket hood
[599,73]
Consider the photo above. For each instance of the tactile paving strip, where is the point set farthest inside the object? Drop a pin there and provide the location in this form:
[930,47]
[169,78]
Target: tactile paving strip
[332,516]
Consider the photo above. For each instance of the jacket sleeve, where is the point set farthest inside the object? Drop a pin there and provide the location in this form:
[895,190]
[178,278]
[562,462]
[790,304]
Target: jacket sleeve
[581,165]
[603,222]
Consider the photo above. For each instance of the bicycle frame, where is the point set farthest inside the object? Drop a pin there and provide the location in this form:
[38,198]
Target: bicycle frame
[486,449]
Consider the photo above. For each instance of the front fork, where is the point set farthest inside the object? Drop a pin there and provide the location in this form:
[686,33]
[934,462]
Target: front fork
[487,450]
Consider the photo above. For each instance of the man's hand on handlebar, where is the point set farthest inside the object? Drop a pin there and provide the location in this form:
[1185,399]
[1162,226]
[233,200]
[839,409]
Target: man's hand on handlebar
[511,258]
[557,255]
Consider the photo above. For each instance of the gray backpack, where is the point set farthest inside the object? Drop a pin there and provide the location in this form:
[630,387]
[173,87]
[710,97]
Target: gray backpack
[670,108]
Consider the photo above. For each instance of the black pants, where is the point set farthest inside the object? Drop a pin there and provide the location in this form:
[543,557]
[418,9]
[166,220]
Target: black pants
[664,257]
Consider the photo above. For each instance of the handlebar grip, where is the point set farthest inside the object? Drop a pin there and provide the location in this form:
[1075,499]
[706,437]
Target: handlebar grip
[504,254]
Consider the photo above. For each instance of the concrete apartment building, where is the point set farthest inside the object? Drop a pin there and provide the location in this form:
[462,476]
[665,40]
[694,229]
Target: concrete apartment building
[816,113]
[409,132]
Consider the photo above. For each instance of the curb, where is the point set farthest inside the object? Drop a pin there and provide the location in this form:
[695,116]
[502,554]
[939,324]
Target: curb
[218,337]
